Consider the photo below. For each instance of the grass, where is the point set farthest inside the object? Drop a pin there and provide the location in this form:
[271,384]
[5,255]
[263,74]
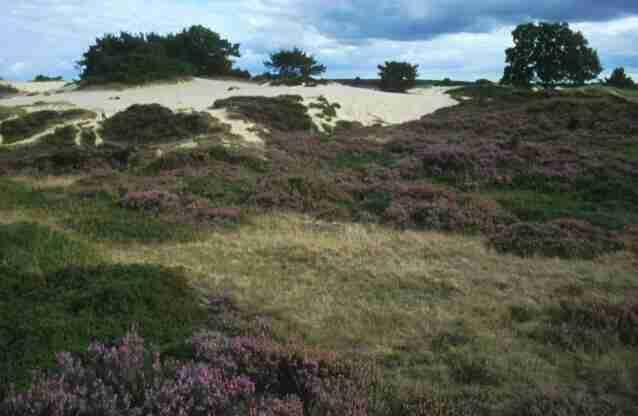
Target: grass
[433,309]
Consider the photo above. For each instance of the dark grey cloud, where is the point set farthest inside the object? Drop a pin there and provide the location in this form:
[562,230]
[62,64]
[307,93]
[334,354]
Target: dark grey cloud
[421,19]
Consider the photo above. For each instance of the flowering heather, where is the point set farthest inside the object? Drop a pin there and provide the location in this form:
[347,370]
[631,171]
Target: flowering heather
[227,376]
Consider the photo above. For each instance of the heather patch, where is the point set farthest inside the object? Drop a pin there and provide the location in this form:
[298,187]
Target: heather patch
[227,376]
[559,238]
[30,124]
[142,124]
[282,113]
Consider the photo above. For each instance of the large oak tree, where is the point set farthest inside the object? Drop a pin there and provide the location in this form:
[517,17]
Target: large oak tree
[550,54]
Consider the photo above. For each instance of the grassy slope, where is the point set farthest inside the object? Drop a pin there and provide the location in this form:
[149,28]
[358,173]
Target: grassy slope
[436,311]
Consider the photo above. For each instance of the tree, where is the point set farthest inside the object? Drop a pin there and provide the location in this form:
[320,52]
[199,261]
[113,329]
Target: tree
[549,54]
[620,79]
[398,76]
[294,64]
[138,58]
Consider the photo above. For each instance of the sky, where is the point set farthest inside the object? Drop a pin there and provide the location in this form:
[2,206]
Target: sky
[459,39]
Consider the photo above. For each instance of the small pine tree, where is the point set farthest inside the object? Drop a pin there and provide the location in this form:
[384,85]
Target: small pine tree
[398,76]
[620,79]
[294,65]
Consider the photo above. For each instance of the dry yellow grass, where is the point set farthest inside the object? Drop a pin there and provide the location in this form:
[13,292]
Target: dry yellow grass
[357,288]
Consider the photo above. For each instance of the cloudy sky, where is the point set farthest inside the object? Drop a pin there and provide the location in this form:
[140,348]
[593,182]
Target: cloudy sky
[448,38]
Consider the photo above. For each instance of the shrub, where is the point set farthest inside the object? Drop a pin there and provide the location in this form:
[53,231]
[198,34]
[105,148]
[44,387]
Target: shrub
[142,124]
[62,136]
[559,238]
[31,124]
[398,76]
[7,90]
[283,113]
[228,376]
[591,326]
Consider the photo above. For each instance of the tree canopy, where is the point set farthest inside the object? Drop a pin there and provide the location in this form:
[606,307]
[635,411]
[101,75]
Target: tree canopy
[620,79]
[137,58]
[398,76]
[294,64]
[550,54]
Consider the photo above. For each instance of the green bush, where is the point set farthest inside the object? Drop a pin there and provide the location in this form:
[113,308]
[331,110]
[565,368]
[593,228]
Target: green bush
[283,113]
[31,124]
[142,124]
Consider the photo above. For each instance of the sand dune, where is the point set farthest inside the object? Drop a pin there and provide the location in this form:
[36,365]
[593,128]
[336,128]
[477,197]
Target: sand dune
[357,104]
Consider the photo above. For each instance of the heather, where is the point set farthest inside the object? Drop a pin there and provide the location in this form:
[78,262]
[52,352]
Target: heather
[30,124]
[482,257]
[151,123]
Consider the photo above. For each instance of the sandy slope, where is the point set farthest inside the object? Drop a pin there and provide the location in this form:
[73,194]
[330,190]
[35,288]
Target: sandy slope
[357,104]
[37,87]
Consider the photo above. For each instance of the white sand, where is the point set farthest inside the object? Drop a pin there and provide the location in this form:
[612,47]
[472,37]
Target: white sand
[357,104]
[36,87]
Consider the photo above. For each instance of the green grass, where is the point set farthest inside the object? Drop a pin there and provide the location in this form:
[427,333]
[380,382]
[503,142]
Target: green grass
[546,206]
[67,308]
[102,219]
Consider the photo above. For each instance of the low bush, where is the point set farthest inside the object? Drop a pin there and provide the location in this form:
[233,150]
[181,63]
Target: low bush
[227,376]
[282,113]
[152,202]
[142,124]
[590,326]
[62,136]
[36,122]
[561,403]
[558,238]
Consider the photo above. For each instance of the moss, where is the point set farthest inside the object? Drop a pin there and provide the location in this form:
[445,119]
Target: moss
[283,113]
[142,124]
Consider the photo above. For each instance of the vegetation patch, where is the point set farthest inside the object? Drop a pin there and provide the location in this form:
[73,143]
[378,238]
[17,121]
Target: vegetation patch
[327,110]
[7,90]
[590,326]
[142,124]
[30,124]
[70,307]
[62,136]
[226,376]
[283,113]
[559,238]
[8,112]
